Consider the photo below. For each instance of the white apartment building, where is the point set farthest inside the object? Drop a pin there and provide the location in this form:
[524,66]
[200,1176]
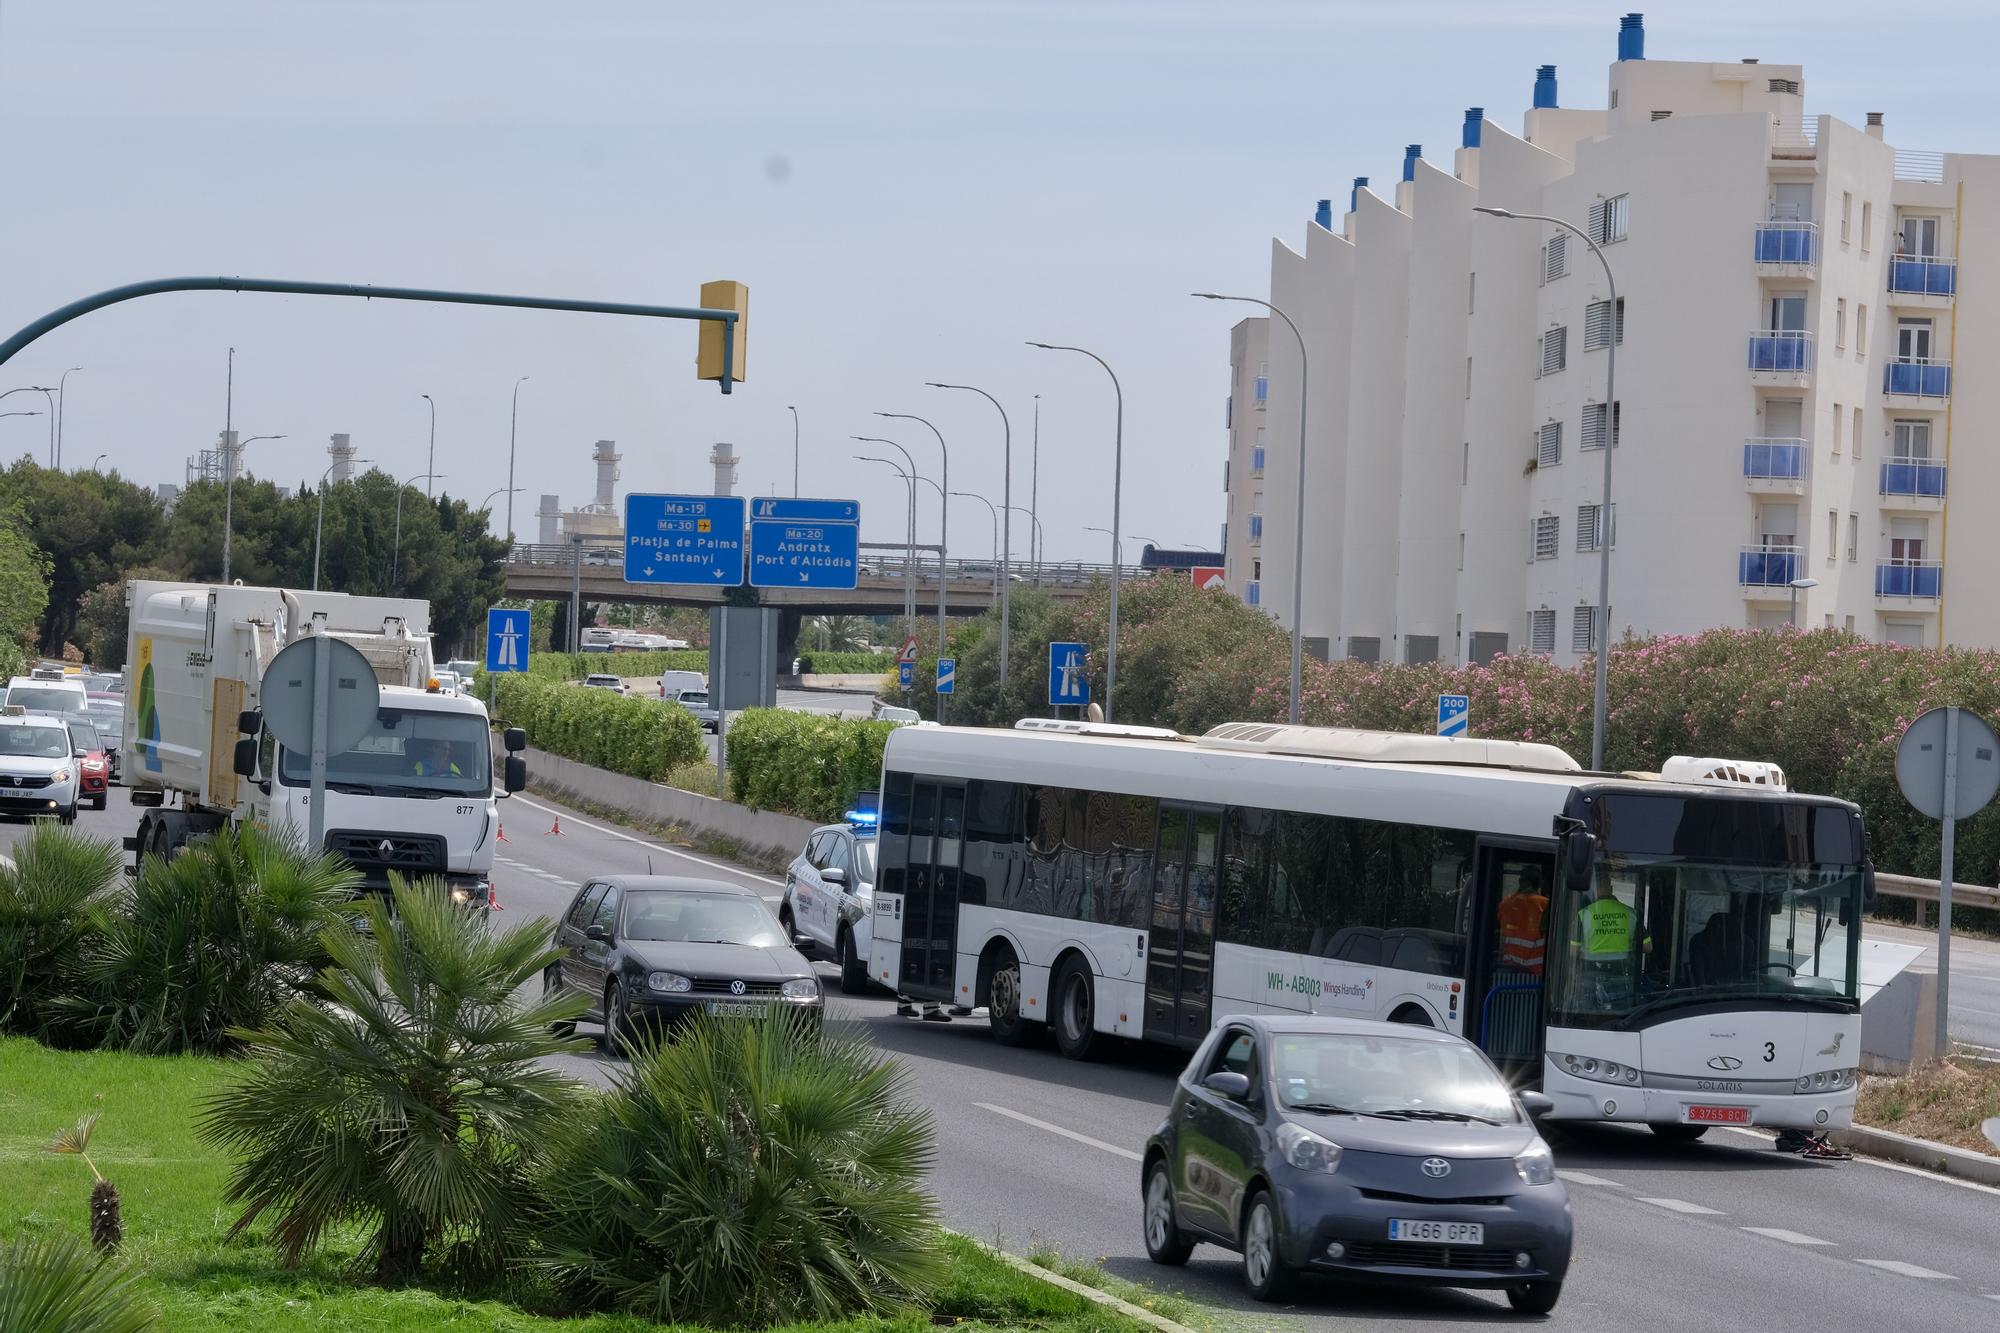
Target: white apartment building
[1796,358]
[1243,472]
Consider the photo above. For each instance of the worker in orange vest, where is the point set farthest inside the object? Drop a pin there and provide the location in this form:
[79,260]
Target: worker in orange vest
[1523,917]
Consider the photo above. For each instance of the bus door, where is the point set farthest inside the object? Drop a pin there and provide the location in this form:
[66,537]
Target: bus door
[930,893]
[1180,969]
[1507,953]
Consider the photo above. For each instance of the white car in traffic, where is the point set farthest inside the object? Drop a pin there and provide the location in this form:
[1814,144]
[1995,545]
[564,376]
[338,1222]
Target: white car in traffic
[829,899]
[38,767]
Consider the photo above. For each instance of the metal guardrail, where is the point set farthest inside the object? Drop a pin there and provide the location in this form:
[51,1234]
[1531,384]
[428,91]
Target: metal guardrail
[1926,891]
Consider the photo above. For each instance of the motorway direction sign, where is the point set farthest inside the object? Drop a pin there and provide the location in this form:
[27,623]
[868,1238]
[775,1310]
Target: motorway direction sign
[798,543]
[906,674]
[684,539]
[506,640]
[1069,680]
[1454,714]
[947,675]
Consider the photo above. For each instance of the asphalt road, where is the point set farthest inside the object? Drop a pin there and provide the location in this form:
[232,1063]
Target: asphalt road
[1037,1150]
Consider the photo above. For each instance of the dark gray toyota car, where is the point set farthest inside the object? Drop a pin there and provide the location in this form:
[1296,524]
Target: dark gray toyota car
[1362,1150]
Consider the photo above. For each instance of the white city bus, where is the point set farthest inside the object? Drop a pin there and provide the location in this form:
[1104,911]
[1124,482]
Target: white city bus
[1129,882]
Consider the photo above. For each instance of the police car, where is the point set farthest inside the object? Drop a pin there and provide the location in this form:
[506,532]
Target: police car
[38,769]
[830,892]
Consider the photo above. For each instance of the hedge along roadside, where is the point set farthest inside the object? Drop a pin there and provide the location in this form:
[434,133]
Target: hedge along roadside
[804,764]
[575,666]
[845,664]
[635,735]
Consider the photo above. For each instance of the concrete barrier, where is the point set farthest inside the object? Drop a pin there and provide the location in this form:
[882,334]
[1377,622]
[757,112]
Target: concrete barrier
[772,837]
[1899,1023]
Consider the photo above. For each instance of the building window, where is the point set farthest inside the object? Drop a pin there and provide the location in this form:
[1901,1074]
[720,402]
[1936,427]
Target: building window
[1853,539]
[1594,417]
[1839,425]
[1587,534]
[1471,293]
[1554,350]
[1867,224]
[1848,624]
[1597,325]
[1465,463]
[1257,458]
[1256,527]
[1254,593]
[1857,432]
[1609,219]
[1229,411]
[1549,445]
[1840,322]
[1546,534]
[1468,377]
[1420,648]
[1541,632]
[1582,629]
[1832,535]
[1555,257]
[1860,332]
[1461,553]
[1846,215]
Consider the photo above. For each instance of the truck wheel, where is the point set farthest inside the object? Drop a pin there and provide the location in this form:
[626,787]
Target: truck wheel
[1075,1014]
[1003,1003]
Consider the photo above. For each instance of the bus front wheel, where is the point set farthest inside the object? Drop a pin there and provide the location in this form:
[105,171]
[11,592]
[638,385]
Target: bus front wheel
[1075,1017]
[1003,1002]
[1676,1133]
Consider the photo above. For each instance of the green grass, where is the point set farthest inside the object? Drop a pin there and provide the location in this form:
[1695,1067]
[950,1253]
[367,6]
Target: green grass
[176,1222]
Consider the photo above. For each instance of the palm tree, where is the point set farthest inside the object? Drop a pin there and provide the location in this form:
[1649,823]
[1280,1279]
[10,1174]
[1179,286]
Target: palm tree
[843,634]
[55,1285]
[46,900]
[414,1099]
[748,1174]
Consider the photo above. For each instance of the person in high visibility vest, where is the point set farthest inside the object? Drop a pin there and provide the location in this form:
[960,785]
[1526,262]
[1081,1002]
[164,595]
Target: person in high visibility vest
[1523,917]
[435,759]
[1605,932]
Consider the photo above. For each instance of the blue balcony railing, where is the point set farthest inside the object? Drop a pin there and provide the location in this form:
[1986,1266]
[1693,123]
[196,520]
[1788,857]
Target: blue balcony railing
[1923,275]
[1786,350]
[1917,378]
[1257,460]
[1909,578]
[1252,593]
[1256,527]
[1767,566]
[1919,477]
[1263,389]
[1786,242]
[1775,460]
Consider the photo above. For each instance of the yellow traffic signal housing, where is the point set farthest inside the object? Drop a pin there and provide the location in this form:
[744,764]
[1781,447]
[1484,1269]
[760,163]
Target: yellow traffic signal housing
[723,294]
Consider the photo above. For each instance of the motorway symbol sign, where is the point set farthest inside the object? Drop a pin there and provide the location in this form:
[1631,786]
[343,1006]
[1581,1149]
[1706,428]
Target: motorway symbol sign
[684,539]
[804,543]
[1069,680]
[909,651]
[906,674]
[947,675]
[507,640]
[1454,714]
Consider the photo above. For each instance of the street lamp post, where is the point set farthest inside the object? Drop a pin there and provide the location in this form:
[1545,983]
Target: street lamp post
[1035,536]
[489,500]
[974,495]
[795,449]
[319,523]
[234,457]
[22,414]
[1117,500]
[944,519]
[1796,585]
[431,459]
[1602,689]
[396,558]
[61,404]
[909,538]
[1299,503]
[513,419]
[99,459]
[49,395]
[1035,495]
[1006,519]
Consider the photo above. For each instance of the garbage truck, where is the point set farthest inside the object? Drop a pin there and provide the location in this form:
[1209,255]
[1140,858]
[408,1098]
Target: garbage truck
[414,796]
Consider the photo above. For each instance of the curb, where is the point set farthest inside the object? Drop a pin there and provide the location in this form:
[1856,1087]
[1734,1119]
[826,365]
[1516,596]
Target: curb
[1941,1158]
[1091,1294]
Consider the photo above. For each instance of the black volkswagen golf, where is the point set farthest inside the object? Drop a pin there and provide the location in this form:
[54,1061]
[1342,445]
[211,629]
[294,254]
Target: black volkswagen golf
[1358,1149]
[658,947]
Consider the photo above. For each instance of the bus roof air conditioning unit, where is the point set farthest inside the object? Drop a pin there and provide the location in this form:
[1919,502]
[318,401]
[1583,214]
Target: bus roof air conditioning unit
[1724,772]
[1388,747]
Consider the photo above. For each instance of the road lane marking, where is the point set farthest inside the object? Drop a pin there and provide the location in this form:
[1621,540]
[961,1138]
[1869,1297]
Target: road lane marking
[1126,1153]
[1683,1206]
[1968,1009]
[1898,1266]
[1789,1237]
[1585,1178]
[652,846]
[1861,1160]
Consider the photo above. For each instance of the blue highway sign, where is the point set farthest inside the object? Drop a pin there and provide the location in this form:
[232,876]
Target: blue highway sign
[947,675]
[507,640]
[804,543]
[684,539]
[1454,714]
[906,674]
[1069,680]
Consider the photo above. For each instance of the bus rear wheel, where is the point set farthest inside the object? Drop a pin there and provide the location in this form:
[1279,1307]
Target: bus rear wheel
[1075,1014]
[1003,1002]
[1674,1133]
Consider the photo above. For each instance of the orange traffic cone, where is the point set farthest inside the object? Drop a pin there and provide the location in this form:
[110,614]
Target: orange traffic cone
[555,829]
[503,833]
[493,898]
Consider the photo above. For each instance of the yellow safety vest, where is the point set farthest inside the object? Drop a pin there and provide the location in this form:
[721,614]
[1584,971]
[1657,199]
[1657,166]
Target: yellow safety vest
[1605,927]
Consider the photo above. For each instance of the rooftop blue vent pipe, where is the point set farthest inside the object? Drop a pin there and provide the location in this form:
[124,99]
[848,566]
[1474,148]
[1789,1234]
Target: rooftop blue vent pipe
[1354,195]
[1411,152]
[1632,37]
[1475,118]
[1323,215]
[1545,86]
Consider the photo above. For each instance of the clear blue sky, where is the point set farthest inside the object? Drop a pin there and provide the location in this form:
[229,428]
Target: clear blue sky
[911,188]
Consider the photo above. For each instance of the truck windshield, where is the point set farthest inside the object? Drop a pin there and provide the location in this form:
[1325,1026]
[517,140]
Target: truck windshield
[1777,922]
[408,752]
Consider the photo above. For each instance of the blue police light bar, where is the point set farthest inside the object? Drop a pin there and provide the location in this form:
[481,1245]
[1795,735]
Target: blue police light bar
[866,812]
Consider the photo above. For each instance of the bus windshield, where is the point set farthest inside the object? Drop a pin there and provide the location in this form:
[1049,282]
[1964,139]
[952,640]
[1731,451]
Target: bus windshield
[1661,935]
[407,752]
